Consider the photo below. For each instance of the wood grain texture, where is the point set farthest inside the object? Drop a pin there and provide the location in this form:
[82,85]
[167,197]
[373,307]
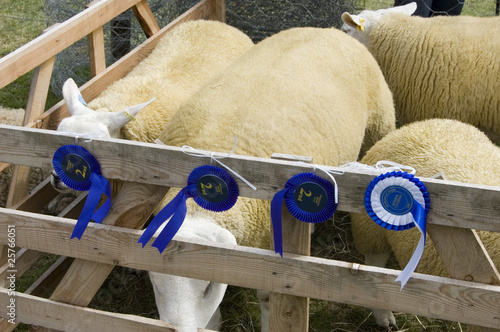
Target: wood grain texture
[463,254]
[451,203]
[430,296]
[65,317]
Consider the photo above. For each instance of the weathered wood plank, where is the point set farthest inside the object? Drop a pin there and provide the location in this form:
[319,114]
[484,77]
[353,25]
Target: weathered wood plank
[46,46]
[463,254]
[330,280]
[93,88]
[133,205]
[451,203]
[38,311]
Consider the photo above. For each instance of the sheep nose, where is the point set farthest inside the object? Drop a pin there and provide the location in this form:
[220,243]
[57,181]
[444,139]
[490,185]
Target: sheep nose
[57,182]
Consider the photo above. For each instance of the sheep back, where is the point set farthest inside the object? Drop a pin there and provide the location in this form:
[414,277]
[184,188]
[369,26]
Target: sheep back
[458,150]
[441,67]
[180,63]
[303,91]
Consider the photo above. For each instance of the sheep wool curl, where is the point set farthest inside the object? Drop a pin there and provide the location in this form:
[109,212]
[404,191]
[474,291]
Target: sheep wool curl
[439,67]
[304,91]
[11,116]
[459,151]
[180,63]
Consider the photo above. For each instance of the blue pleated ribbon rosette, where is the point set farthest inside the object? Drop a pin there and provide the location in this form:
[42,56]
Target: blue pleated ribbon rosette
[398,201]
[79,170]
[308,197]
[211,187]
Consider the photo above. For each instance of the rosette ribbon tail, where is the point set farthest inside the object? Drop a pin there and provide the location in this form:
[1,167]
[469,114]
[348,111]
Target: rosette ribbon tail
[276,207]
[99,187]
[177,210]
[420,219]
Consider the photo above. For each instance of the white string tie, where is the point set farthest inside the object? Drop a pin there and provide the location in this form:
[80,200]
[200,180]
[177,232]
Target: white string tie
[328,172]
[380,167]
[86,136]
[190,151]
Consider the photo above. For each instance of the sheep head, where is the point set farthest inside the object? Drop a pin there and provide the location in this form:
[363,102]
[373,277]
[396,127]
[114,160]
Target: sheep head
[87,122]
[358,26]
[187,303]
[84,120]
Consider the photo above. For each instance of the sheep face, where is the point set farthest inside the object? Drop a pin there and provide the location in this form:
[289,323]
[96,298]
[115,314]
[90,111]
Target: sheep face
[358,26]
[186,303]
[89,123]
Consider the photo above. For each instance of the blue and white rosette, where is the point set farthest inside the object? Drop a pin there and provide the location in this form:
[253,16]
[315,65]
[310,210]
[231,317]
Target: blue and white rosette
[308,197]
[79,170]
[211,187]
[398,201]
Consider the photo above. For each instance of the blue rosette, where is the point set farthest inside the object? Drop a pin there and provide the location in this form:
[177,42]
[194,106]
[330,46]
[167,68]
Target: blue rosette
[211,187]
[308,197]
[399,201]
[79,170]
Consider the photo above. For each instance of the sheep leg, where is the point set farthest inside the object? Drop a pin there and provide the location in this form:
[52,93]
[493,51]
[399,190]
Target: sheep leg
[383,318]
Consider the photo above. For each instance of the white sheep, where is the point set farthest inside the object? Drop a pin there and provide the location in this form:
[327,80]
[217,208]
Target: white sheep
[180,63]
[303,91]
[462,153]
[439,67]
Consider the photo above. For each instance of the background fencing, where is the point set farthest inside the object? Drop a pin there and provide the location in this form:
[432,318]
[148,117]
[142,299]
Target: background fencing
[22,21]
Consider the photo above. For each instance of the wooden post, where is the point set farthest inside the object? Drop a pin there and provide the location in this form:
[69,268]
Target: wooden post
[97,56]
[287,312]
[146,19]
[219,13]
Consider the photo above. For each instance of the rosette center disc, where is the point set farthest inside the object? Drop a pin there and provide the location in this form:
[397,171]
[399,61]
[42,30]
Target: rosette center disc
[397,200]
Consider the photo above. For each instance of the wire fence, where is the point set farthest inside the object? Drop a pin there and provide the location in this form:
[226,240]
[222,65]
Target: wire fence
[22,21]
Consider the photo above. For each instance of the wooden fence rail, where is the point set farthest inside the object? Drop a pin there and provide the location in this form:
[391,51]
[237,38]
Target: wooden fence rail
[297,275]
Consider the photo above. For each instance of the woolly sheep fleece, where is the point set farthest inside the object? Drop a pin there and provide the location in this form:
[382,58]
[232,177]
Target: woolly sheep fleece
[180,63]
[11,116]
[459,151]
[304,91]
[440,67]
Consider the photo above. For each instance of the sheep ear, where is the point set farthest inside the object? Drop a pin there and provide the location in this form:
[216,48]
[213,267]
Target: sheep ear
[123,117]
[73,98]
[407,9]
[353,21]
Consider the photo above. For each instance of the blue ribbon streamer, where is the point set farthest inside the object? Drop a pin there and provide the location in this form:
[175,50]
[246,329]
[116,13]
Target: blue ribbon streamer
[276,208]
[98,187]
[177,210]
[419,215]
